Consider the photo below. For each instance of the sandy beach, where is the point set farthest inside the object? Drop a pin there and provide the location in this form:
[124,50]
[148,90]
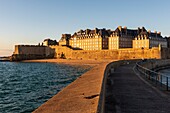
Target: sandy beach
[70,62]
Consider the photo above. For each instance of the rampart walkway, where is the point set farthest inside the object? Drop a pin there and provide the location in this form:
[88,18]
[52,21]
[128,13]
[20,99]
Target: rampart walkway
[127,93]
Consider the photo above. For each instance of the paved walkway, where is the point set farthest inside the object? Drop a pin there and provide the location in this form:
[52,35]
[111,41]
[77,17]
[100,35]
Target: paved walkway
[127,93]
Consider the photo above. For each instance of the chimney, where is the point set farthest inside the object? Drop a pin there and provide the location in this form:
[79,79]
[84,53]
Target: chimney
[120,28]
[96,30]
[155,33]
[149,31]
[87,31]
[125,29]
[159,33]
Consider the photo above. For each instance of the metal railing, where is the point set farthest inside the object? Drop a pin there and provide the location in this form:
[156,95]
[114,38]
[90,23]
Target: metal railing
[157,78]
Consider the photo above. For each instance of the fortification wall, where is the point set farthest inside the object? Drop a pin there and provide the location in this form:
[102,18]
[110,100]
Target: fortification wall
[155,64]
[120,54]
[35,52]
[29,49]
[62,50]
[28,52]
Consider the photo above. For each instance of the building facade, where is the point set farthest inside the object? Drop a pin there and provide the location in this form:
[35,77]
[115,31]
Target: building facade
[49,42]
[121,37]
[64,41]
[96,39]
[149,39]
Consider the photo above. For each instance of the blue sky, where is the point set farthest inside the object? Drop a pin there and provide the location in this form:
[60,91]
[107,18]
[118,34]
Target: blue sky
[31,21]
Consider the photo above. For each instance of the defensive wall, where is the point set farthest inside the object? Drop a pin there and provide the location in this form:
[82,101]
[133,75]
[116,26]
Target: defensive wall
[38,52]
[27,52]
[155,64]
[121,54]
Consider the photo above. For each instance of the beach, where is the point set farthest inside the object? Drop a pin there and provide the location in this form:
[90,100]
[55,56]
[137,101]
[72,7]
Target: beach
[70,62]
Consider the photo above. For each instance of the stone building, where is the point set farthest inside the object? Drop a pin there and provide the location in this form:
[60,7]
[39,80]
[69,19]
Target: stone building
[25,52]
[148,39]
[122,38]
[168,41]
[49,42]
[64,41]
[88,39]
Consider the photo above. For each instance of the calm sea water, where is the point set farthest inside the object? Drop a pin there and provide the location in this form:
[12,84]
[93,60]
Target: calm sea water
[165,72]
[25,86]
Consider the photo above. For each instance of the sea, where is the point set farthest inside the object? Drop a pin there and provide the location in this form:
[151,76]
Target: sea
[166,73]
[26,86]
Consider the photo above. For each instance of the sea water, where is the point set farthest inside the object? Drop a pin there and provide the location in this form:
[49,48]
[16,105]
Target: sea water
[166,74]
[25,86]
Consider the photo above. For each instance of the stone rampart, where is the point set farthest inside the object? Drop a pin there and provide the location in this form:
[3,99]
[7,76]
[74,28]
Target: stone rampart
[29,52]
[155,64]
[69,53]
[120,54]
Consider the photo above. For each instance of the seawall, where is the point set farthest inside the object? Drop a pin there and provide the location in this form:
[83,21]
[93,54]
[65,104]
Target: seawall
[156,64]
[84,95]
[81,96]
[87,94]
[111,67]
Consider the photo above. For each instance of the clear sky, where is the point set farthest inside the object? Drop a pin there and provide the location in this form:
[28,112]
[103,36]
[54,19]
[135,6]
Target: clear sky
[31,21]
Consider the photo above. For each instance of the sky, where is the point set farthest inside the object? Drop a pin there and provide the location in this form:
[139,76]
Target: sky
[32,21]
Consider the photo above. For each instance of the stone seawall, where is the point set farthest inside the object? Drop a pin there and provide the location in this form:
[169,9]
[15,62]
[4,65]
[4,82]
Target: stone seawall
[154,64]
[81,96]
[84,95]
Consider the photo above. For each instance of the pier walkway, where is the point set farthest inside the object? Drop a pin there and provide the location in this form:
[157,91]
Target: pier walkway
[128,93]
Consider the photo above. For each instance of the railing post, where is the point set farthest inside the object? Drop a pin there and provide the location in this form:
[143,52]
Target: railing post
[161,80]
[149,75]
[152,75]
[167,83]
[156,76]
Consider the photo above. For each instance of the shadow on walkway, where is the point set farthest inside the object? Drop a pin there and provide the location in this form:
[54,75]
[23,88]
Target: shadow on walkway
[127,93]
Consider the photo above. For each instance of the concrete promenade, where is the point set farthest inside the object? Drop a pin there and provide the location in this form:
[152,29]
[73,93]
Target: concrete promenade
[128,93]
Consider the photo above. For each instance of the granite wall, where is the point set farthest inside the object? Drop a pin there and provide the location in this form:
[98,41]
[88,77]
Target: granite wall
[121,54]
